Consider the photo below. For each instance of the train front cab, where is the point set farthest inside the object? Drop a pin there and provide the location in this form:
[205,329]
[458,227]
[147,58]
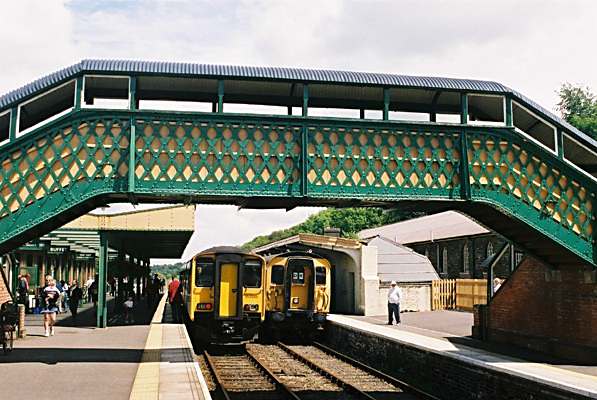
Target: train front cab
[226,303]
[298,292]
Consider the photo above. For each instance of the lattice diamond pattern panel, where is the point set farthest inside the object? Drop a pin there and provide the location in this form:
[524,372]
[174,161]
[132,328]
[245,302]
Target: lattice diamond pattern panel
[384,163]
[82,152]
[216,156]
[513,169]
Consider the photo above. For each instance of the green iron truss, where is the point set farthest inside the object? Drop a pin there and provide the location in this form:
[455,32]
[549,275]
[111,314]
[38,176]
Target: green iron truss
[89,157]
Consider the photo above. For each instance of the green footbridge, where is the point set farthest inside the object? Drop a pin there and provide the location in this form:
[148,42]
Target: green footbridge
[122,131]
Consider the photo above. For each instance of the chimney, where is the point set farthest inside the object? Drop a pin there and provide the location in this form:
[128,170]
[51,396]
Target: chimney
[333,232]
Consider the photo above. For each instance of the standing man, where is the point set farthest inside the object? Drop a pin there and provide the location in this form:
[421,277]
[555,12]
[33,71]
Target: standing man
[175,299]
[394,297]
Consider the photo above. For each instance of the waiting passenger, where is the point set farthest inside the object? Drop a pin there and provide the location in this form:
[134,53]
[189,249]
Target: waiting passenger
[394,297]
[128,310]
[51,296]
[75,296]
[175,299]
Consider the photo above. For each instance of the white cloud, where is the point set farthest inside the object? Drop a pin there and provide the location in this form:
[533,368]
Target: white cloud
[532,46]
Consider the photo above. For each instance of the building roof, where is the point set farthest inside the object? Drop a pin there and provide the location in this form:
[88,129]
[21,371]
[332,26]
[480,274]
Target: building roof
[298,75]
[154,233]
[396,262]
[327,242]
[445,225]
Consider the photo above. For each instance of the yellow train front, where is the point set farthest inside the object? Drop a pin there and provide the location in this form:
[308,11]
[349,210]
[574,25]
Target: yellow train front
[223,294]
[297,294]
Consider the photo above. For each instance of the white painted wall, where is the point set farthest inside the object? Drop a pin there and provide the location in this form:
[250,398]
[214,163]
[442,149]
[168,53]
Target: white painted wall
[415,297]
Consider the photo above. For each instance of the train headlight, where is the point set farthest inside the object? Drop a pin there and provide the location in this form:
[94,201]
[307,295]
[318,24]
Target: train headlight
[204,307]
[295,300]
[251,307]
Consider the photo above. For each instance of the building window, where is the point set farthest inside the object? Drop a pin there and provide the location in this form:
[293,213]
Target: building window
[445,260]
[490,250]
[465,258]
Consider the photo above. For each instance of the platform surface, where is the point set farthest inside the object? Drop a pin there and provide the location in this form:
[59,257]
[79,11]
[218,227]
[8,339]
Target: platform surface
[146,359]
[443,343]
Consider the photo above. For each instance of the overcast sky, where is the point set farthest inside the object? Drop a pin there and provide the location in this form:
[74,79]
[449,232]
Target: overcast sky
[531,46]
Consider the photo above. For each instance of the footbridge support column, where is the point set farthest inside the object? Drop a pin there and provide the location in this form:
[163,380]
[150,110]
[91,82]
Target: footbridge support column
[102,307]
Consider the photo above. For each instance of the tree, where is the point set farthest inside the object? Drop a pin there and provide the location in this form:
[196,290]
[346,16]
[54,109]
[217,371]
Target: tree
[349,220]
[578,106]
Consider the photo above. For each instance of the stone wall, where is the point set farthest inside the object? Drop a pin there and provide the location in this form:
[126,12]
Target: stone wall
[446,376]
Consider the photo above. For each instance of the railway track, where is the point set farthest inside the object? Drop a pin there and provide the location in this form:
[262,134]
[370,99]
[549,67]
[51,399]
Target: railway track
[272,372]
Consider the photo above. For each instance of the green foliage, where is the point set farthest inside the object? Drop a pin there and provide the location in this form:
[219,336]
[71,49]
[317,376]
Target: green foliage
[349,220]
[167,270]
[578,106]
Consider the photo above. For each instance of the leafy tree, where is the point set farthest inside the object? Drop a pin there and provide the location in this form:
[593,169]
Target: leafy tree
[349,220]
[578,106]
[167,270]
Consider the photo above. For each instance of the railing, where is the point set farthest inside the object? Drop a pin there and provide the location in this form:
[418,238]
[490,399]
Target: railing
[93,152]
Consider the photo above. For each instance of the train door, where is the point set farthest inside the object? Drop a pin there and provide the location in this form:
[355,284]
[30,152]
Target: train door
[228,293]
[301,282]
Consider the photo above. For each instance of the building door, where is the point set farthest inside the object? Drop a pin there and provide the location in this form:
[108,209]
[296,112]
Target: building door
[228,290]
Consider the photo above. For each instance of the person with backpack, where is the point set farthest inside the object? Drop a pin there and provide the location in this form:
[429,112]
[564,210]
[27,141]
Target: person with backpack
[51,297]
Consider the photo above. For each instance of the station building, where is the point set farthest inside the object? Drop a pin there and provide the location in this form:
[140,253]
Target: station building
[362,271]
[455,244]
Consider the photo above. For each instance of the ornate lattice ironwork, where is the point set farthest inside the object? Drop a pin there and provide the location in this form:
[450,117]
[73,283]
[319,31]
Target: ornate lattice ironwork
[87,154]
[209,156]
[532,184]
[388,163]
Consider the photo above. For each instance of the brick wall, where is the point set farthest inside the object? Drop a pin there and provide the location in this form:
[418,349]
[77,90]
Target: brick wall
[553,311]
[4,293]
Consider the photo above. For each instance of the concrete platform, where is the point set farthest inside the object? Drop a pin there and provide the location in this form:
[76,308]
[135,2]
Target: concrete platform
[147,359]
[168,369]
[443,344]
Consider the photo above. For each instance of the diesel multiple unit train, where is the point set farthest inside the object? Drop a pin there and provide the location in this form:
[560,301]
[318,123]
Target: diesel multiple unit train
[232,295]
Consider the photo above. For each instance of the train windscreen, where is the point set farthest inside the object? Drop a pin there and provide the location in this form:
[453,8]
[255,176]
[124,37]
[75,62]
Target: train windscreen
[204,273]
[252,274]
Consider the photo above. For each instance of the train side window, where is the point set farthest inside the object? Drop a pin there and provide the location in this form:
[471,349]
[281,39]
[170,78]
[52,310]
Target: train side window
[320,278]
[278,275]
[252,274]
[204,274]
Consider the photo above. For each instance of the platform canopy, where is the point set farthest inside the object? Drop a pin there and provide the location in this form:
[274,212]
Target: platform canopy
[156,233]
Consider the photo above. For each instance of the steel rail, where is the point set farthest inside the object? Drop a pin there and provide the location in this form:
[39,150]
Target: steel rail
[375,372]
[326,372]
[279,384]
[217,377]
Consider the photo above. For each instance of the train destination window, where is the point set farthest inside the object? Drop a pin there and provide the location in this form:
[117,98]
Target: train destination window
[252,274]
[278,275]
[298,275]
[204,274]
[320,278]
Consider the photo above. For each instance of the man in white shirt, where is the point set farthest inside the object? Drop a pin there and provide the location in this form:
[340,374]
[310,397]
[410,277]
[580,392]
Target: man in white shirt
[394,296]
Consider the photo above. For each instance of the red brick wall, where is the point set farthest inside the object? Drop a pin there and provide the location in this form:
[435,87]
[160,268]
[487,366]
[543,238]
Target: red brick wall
[4,293]
[554,311]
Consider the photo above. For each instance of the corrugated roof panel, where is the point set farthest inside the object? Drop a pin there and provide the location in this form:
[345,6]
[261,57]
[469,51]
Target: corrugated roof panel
[274,73]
